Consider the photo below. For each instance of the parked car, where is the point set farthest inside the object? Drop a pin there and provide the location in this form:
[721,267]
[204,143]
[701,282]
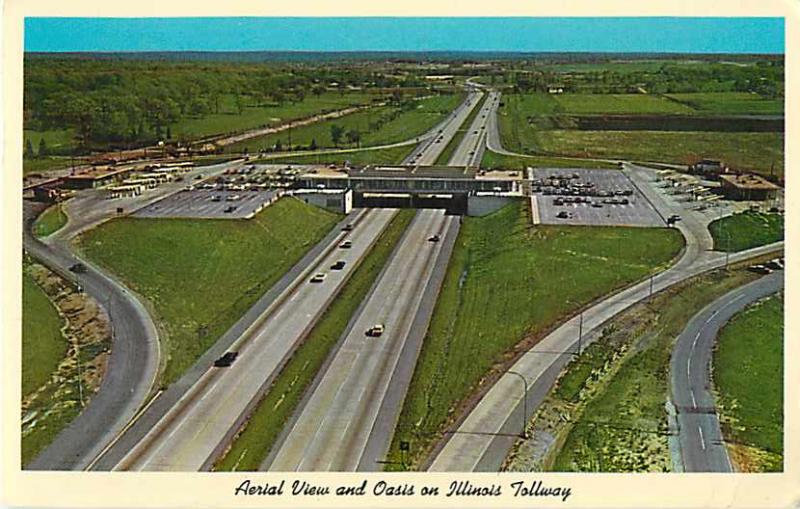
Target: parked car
[376,330]
[229,209]
[226,360]
[563,215]
[216,197]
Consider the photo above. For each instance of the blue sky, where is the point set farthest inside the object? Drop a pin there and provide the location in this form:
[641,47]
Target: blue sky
[685,35]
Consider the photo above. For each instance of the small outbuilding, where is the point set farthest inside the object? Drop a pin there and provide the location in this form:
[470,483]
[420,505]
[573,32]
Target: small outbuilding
[748,187]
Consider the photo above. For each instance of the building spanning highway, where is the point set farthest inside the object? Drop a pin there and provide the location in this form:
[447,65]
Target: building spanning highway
[190,435]
[702,448]
[338,421]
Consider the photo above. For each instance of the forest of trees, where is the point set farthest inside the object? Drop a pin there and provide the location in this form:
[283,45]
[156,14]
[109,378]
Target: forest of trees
[116,102]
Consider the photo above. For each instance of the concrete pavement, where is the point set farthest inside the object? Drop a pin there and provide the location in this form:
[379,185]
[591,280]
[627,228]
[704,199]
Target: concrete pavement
[333,428]
[470,151]
[700,438]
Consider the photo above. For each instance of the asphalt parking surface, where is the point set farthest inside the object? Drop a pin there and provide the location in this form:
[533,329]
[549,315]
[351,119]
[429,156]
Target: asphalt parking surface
[637,212]
[199,203]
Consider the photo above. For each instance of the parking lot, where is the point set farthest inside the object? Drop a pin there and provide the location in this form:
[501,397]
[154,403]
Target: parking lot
[210,203]
[578,196]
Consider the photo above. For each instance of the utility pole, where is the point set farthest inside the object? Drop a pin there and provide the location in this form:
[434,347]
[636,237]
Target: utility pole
[580,334]
[524,433]
[651,287]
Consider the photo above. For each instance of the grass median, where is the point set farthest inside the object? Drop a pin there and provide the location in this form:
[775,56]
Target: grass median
[50,221]
[455,141]
[750,347]
[507,284]
[201,275]
[746,230]
[258,435]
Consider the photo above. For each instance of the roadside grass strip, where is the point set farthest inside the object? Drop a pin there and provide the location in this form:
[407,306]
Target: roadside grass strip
[607,411]
[257,437]
[507,285]
[750,347]
[390,156]
[50,221]
[746,230]
[199,276]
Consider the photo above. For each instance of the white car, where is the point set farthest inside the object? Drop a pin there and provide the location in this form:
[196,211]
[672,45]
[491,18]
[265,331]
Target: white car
[319,277]
[376,330]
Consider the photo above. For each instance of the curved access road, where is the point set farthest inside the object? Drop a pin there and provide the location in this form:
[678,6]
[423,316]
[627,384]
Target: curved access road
[134,360]
[701,445]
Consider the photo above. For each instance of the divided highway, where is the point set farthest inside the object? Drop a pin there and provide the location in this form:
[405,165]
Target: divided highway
[339,418]
[701,445]
[470,151]
[196,427]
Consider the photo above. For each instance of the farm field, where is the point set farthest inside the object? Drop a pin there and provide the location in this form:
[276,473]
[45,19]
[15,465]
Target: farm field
[506,284]
[746,230]
[744,151]
[197,298]
[254,442]
[730,103]
[750,347]
[375,126]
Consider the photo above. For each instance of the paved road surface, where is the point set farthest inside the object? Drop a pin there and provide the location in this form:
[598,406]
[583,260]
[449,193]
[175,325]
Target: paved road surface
[428,152]
[189,436]
[701,445]
[470,151]
[481,441]
[336,423]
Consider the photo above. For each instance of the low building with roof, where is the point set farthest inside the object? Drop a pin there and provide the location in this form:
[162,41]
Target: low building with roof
[748,187]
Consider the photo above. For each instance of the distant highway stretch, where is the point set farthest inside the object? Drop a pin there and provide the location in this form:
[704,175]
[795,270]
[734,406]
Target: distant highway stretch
[426,153]
[701,444]
[338,420]
[189,435]
[470,151]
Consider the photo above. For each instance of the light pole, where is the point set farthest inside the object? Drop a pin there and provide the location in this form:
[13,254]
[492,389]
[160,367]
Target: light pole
[580,334]
[524,433]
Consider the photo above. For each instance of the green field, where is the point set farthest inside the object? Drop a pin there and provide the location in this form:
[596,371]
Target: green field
[730,103]
[58,141]
[750,347]
[254,443]
[44,164]
[455,141]
[744,151]
[376,126]
[746,230]
[251,117]
[621,383]
[200,276]
[393,155]
[50,221]
[618,104]
[43,345]
[494,160]
[508,281]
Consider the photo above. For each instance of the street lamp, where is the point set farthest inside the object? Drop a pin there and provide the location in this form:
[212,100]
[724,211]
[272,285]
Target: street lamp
[524,433]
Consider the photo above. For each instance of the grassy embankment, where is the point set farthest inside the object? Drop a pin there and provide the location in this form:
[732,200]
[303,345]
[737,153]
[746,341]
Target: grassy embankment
[376,126]
[526,125]
[455,141]
[746,230]
[200,276]
[750,347]
[494,160]
[43,344]
[612,399]
[258,436]
[393,155]
[50,221]
[507,284]
[730,103]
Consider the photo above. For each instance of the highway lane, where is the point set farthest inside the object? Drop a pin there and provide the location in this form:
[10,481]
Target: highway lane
[333,428]
[701,444]
[133,364]
[470,151]
[194,430]
[427,152]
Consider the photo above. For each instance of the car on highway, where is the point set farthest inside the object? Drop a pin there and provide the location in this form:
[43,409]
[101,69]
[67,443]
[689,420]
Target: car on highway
[78,268]
[347,244]
[434,238]
[226,360]
[376,330]
[348,227]
[338,265]
[319,277]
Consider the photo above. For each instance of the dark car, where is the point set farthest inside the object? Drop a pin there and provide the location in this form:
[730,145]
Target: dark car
[563,215]
[338,265]
[434,238]
[229,209]
[348,227]
[78,268]
[226,360]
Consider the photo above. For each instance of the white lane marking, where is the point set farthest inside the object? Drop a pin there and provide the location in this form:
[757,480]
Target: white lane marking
[702,440]
[694,401]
